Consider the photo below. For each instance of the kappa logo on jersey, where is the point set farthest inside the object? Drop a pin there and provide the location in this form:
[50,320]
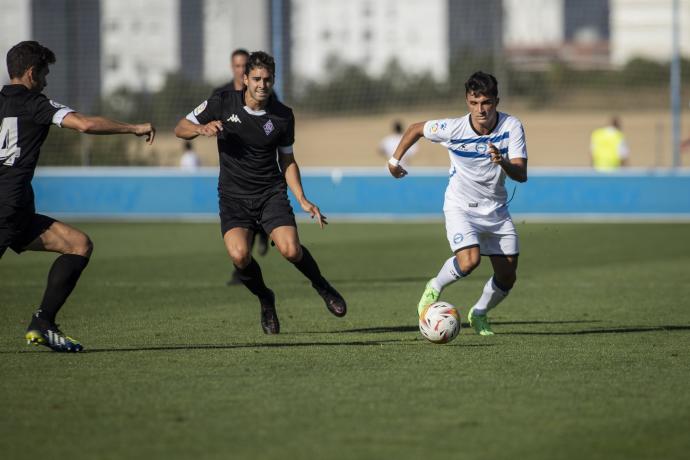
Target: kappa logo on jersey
[200,108]
[234,118]
[268,127]
[57,105]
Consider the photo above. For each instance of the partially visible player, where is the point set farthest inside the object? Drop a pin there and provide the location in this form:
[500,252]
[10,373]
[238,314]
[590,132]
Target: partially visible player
[390,142]
[25,119]
[484,147]
[238,62]
[255,134]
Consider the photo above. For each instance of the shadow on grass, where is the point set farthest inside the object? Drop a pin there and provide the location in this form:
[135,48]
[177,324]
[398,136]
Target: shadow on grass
[612,330]
[181,347]
[400,279]
[383,329]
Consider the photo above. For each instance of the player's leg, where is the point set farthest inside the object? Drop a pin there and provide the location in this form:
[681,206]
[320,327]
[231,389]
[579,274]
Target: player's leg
[278,221]
[462,237]
[499,285]
[238,243]
[75,248]
[287,241]
[262,238]
[502,247]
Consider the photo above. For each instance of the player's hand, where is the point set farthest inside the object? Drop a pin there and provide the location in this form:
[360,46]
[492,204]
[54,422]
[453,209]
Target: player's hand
[496,157]
[313,211]
[210,129]
[145,129]
[397,171]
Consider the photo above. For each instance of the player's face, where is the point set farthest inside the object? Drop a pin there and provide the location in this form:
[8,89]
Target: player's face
[482,109]
[238,64]
[259,84]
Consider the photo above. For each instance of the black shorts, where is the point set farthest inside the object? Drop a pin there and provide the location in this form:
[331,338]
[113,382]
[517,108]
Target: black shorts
[19,227]
[268,212]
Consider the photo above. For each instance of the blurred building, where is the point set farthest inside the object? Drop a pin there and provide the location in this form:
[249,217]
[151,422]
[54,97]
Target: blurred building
[642,28]
[539,32]
[71,29]
[231,24]
[140,43]
[134,44]
[15,26]
[475,31]
[369,34]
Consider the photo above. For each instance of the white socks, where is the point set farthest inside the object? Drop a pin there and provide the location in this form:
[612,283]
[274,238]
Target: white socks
[491,296]
[449,274]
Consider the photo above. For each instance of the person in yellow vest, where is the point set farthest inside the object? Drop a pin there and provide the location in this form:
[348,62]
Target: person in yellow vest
[608,147]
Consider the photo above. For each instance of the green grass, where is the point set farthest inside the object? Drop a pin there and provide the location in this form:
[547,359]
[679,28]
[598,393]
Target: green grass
[590,360]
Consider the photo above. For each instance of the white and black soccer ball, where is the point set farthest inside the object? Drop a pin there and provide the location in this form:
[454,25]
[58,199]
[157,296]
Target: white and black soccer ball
[439,322]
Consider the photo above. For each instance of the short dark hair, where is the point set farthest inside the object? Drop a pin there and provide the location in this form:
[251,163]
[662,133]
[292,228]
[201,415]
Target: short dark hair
[481,83]
[259,60]
[24,55]
[239,52]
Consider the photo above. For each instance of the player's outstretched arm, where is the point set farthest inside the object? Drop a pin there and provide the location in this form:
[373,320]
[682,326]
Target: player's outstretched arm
[187,130]
[412,134]
[101,125]
[294,180]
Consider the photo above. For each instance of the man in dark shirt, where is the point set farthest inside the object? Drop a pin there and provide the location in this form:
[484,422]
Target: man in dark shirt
[252,130]
[25,118]
[238,62]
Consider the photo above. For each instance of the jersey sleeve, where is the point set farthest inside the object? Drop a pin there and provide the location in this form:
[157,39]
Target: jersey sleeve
[207,111]
[438,130]
[288,137]
[47,112]
[517,148]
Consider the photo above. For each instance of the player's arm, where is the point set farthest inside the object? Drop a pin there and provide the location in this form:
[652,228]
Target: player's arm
[294,180]
[515,168]
[202,121]
[101,125]
[188,130]
[412,134]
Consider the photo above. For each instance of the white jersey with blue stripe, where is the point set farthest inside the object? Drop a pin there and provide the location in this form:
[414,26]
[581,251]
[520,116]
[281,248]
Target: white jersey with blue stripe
[475,183]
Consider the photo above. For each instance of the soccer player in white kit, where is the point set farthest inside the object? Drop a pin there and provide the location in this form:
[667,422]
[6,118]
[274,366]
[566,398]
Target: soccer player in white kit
[484,147]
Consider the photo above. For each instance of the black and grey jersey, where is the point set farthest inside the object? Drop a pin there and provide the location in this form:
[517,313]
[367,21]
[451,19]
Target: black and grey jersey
[249,143]
[25,118]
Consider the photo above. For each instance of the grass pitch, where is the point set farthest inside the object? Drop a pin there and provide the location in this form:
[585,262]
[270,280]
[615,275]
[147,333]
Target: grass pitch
[590,360]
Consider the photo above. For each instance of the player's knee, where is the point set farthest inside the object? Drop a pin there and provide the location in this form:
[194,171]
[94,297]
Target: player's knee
[469,264]
[291,251]
[81,245]
[241,257]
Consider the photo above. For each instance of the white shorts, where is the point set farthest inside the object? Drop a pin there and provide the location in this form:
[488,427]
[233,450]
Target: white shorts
[494,234]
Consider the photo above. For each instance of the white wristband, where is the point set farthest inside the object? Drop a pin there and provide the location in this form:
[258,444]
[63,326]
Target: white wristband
[394,161]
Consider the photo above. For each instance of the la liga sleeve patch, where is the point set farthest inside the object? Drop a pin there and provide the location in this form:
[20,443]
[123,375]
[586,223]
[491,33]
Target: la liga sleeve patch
[200,108]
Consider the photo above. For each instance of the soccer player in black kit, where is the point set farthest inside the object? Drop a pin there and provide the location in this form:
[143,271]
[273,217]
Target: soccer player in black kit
[238,62]
[25,118]
[255,135]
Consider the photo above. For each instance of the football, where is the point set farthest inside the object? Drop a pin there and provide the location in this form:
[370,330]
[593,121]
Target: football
[439,322]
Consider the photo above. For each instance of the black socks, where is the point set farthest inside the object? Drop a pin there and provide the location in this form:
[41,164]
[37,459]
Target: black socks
[252,278]
[310,269]
[62,278]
